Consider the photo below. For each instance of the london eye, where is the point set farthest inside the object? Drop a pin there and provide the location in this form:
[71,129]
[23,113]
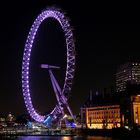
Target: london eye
[62,93]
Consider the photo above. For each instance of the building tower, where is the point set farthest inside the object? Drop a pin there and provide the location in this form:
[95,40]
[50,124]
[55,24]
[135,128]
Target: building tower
[127,73]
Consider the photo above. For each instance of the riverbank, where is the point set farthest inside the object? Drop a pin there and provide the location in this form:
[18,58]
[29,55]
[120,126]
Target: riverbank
[116,132]
[37,132]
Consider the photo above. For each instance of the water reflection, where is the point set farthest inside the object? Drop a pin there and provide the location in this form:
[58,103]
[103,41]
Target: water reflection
[98,138]
[91,138]
[63,138]
[44,138]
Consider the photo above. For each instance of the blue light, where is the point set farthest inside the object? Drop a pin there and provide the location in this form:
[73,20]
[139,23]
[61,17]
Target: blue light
[48,121]
[71,125]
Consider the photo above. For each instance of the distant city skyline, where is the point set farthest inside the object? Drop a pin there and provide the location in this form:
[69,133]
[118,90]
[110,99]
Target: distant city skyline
[106,37]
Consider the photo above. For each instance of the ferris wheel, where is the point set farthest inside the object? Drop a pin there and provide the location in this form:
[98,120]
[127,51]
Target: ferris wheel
[61,93]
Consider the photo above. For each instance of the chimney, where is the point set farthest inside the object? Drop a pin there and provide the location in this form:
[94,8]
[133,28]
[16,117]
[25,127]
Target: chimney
[90,96]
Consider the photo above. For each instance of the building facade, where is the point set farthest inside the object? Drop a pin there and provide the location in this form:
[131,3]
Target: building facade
[124,114]
[101,117]
[127,73]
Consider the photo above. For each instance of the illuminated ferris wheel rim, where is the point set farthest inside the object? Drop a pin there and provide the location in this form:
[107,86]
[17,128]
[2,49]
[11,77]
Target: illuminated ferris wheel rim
[64,22]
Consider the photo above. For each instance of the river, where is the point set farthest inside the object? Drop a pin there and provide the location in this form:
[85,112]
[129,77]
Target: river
[62,138]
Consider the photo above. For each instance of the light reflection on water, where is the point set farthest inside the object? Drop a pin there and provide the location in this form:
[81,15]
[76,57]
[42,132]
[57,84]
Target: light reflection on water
[63,138]
[98,138]
[44,138]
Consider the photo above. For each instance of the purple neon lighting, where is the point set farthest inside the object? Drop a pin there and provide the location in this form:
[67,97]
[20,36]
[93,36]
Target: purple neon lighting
[64,22]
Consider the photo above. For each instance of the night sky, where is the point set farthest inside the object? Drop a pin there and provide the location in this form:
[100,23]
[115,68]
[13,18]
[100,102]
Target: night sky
[106,35]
